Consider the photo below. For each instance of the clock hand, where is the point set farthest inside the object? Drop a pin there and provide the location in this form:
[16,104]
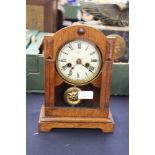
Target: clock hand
[73,67]
[91,71]
[87,68]
[84,65]
[70,71]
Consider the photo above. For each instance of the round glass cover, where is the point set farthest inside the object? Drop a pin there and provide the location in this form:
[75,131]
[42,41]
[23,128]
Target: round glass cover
[79,62]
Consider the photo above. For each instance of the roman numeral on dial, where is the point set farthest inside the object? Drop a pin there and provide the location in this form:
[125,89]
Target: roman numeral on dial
[62,60]
[70,46]
[92,53]
[86,74]
[64,67]
[87,47]
[78,75]
[79,45]
[94,60]
[64,53]
[91,68]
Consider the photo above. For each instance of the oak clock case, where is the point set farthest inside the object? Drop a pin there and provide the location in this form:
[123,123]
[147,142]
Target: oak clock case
[78,60]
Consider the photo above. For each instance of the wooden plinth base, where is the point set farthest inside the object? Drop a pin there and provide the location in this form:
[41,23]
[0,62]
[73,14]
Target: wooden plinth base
[46,124]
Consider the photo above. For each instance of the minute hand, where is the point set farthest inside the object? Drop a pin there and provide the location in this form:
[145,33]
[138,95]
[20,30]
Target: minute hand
[87,68]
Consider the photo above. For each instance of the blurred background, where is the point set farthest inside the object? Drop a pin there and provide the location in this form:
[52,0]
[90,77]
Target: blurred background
[48,16]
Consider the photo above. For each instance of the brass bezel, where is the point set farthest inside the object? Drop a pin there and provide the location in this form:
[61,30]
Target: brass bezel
[72,82]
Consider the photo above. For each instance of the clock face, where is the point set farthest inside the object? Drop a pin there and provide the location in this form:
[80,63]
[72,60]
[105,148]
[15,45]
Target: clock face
[79,62]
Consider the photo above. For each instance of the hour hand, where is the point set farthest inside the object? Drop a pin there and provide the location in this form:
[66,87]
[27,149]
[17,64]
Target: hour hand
[70,71]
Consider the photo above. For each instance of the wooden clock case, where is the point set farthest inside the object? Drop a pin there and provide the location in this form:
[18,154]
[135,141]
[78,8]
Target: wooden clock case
[52,116]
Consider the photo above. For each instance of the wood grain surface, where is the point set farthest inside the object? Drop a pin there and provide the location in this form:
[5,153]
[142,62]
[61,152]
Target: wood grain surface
[75,117]
[46,124]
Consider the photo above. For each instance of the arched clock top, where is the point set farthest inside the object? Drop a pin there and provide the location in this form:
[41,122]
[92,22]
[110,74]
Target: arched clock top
[75,32]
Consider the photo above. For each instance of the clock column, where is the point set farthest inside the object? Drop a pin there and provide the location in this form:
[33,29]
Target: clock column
[49,74]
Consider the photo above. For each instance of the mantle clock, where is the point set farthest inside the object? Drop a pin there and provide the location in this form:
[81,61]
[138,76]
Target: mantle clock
[78,70]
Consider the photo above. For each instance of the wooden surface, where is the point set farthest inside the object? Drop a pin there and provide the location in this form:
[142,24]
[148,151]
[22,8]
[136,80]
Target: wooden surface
[41,15]
[106,77]
[46,124]
[52,45]
[74,112]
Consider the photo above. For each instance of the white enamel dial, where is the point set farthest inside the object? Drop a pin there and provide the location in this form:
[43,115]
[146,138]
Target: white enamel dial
[78,62]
